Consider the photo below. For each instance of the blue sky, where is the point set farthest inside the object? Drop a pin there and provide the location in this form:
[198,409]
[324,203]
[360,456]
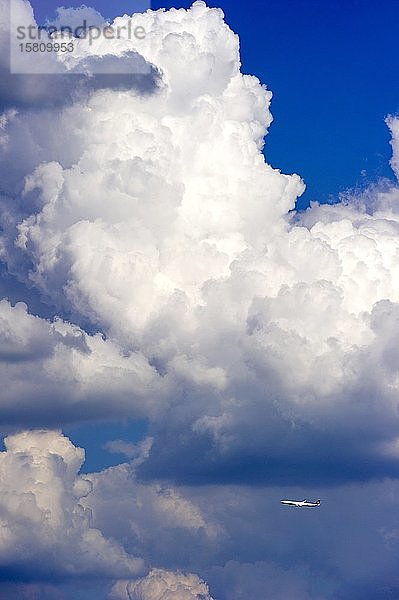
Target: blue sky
[333,71]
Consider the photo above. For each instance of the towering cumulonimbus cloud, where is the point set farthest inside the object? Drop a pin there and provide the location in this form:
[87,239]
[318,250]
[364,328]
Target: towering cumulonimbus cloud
[155,220]
[167,277]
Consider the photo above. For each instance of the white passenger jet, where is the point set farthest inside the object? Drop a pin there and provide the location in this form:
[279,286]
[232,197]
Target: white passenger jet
[301,503]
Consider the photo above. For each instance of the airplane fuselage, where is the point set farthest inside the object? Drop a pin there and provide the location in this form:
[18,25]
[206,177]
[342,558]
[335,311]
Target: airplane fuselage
[301,503]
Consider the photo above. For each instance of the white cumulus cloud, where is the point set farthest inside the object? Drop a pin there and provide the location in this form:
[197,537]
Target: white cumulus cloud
[45,528]
[162,585]
[53,371]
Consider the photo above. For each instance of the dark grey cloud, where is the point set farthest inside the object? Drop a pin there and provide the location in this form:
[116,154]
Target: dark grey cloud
[261,548]
[55,90]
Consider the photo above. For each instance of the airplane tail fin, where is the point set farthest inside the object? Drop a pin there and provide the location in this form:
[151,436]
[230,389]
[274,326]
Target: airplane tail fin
[318,501]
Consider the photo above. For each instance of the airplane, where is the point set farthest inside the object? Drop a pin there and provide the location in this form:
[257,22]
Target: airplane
[301,503]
